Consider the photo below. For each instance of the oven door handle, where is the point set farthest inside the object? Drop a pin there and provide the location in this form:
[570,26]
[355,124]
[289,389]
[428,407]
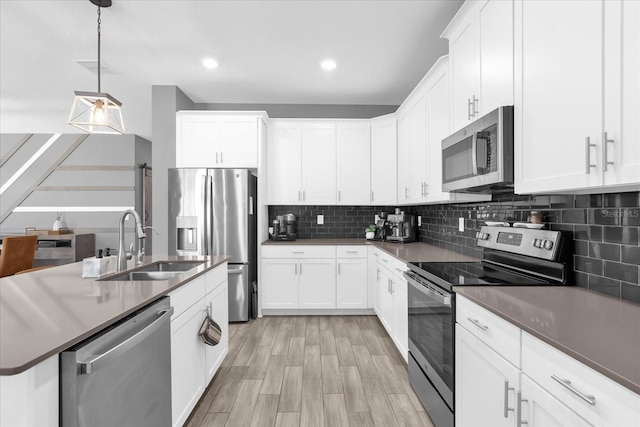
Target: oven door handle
[442,299]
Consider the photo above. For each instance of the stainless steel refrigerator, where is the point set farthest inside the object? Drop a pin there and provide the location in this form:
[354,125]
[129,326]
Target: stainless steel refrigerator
[213,212]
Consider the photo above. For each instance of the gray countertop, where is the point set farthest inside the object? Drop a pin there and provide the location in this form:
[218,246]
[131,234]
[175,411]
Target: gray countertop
[599,331]
[407,252]
[47,311]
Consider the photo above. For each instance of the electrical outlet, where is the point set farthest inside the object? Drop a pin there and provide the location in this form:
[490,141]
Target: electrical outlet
[460,224]
[320,220]
[419,220]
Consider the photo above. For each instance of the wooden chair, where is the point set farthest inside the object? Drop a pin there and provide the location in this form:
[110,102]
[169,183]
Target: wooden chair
[17,254]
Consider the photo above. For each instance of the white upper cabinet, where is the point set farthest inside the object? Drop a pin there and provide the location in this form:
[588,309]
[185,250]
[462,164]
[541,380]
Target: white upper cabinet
[212,139]
[412,148]
[564,89]
[481,59]
[354,162]
[383,161]
[301,162]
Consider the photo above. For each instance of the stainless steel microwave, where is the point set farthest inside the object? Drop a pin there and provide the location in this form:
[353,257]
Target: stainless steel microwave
[479,157]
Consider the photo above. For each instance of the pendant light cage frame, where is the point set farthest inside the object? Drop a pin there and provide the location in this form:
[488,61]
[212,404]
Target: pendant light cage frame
[97,112]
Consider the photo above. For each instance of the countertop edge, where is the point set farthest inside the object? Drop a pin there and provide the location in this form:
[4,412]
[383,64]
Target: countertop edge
[555,344]
[15,370]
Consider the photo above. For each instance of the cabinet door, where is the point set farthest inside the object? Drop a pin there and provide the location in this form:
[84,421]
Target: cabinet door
[383,162]
[351,288]
[238,142]
[437,112]
[372,277]
[384,301]
[404,158]
[486,384]
[541,409]
[354,163]
[622,92]
[463,57]
[217,304]
[558,81]
[197,137]
[418,150]
[283,164]
[317,283]
[279,283]
[319,163]
[495,27]
[187,363]
[400,301]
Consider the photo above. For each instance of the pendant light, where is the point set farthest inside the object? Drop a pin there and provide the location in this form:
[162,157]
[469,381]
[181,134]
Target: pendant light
[97,112]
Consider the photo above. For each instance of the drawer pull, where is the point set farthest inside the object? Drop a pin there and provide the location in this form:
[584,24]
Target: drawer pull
[591,400]
[477,323]
[298,252]
[400,270]
[352,252]
[385,260]
[506,399]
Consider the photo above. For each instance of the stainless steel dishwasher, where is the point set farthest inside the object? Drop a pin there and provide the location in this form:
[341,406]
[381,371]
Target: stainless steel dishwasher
[122,376]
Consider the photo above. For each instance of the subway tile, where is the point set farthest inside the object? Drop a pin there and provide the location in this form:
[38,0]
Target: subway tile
[587,232]
[540,202]
[624,272]
[630,217]
[630,254]
[618,200]
[625,235]
[561,202]
[574,216]
[587,265]
[630,292]
[581,280]
[604,251]
[604,286]
[581,248]
[604,216]
[588,201]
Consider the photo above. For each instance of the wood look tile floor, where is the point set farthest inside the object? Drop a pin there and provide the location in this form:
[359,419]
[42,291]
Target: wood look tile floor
[310,371]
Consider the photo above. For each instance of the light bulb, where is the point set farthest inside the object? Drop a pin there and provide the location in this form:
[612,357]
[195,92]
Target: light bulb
[99,115]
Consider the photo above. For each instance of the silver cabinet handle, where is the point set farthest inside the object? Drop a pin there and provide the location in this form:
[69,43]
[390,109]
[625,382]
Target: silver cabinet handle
[377,275]
[89,366]
[406,192]
[605,144]
[391,287]
[477,323]
[338,195]
[221,161]
[426,189]
[506,399]
[296,268]
[298,252]
[217,157]
[590,399]
[299,196]
[372,195]
[385,260]
[468,108]
[352,252]
[338,268]
[475,106]
[519,400]
[587,146]
[303,196]
[301,269]
[388,286]
[399,270]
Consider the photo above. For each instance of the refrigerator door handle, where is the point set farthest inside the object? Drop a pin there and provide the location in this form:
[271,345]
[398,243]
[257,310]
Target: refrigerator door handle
[207,216]
[250,205]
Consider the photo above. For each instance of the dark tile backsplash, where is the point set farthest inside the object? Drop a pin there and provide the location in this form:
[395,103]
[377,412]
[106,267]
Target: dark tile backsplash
[605,229]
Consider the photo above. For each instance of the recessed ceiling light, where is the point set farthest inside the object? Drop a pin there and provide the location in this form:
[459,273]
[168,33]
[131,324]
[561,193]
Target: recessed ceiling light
[328,65]
[210,63]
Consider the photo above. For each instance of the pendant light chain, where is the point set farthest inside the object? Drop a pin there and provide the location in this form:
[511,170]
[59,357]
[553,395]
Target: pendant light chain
[99,22]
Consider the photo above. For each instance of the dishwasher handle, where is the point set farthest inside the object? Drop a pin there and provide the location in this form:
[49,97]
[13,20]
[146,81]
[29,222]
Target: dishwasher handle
[89,366]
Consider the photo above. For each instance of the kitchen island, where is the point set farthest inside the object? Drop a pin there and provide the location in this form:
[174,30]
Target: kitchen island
[45,312]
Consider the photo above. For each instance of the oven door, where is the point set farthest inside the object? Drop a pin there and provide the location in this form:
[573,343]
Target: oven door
[431,326]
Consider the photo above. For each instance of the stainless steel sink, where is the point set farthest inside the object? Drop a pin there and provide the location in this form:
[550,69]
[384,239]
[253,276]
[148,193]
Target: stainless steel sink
[143,275]
[171,266]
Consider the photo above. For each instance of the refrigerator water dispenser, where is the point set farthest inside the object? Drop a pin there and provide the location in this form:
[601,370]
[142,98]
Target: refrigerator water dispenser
[187,233]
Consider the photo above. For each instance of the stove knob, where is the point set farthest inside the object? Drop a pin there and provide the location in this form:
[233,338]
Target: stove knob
[534,243]
[548,244]
[486,236]
[478,234]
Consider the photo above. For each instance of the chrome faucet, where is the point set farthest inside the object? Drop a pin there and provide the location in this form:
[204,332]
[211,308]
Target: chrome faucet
[122,257]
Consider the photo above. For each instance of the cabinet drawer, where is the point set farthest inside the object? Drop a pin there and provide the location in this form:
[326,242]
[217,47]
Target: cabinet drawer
[612,405]
[494,331]
[216,277]
[351,251]
[187,295]
[298,251]
[389,261]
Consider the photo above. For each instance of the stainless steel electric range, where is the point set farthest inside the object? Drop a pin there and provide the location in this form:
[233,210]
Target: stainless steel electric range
[511,257]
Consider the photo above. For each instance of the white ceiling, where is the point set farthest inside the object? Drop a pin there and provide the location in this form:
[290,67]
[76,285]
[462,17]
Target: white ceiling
[268,51]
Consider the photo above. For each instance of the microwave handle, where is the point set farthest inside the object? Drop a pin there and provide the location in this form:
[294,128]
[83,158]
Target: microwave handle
[481,153]
[474,153]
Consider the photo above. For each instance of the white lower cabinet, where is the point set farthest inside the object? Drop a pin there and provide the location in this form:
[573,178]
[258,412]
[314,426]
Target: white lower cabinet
[317,283]
[400,316]
[485,386]
[193,363]
[279,283]
[510,378]
[392,303]
[351,283]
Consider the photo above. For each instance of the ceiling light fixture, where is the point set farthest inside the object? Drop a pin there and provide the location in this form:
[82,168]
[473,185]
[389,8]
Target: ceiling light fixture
[328,65]
[97,112]
[210,63]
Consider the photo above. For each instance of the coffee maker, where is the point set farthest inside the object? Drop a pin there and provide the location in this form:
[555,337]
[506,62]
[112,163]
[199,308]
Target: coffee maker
[401,228]
[381,228]
[285,228]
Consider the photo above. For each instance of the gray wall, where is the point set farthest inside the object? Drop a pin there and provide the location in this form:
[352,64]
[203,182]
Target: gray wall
[304,111]
[166,100]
